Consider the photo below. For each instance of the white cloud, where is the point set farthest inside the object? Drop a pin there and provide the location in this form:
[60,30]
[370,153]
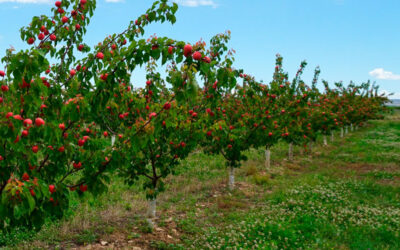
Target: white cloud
[339,2]
[115,1]
[196,3]
[26,1]
[380,73]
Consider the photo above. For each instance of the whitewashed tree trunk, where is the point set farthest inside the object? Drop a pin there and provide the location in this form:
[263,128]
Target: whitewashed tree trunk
[332,136]
[231,183]
[290,154]
[112,140]
[341,132]
[151,213]
[325,141]
[267,158]
[356,127]
[310,148]
[347,130]
[351,127]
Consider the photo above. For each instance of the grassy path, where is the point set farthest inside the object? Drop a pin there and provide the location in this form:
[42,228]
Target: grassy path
[346,196]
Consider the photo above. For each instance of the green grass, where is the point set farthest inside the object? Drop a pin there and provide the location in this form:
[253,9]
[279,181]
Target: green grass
[346,196]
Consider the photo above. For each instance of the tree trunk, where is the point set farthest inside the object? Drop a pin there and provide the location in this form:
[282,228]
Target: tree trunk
[332,136]
[290,155]
[310,148]
[347,130]
[325,141]
[267,159]
[351,127]
[151,213]
[231,183]
[341,132]
[112,140]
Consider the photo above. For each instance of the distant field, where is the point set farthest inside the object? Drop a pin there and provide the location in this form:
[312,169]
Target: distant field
[344,196]
[394,103]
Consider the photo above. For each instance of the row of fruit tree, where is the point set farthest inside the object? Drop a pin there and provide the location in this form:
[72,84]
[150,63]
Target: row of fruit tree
[69,126]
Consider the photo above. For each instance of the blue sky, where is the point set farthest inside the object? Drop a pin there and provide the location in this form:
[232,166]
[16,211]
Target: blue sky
[349,39]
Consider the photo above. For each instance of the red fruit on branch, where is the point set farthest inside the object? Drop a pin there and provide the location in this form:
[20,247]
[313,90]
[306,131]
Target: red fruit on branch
[39,122]
[100,55]
[58,4]
[18,117]
[206,59]
[105,133]
[167,105]
[32,192]
[25,133]
[197,56]
[53,37]
[64,19]
[2,74]
[170,50]
[83,188]
[151,115]
[81,142]
[148,82]
[25,177]
[31,40]
[187,50]
[104,77]
[52,189]
[77,26]
[4,88]
[80,47]
[61,149]
[61,126]
[77,165]
[41,36]
[35,149]
[72,72]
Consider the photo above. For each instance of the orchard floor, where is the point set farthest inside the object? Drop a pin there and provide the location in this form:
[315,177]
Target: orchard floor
[343,196]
